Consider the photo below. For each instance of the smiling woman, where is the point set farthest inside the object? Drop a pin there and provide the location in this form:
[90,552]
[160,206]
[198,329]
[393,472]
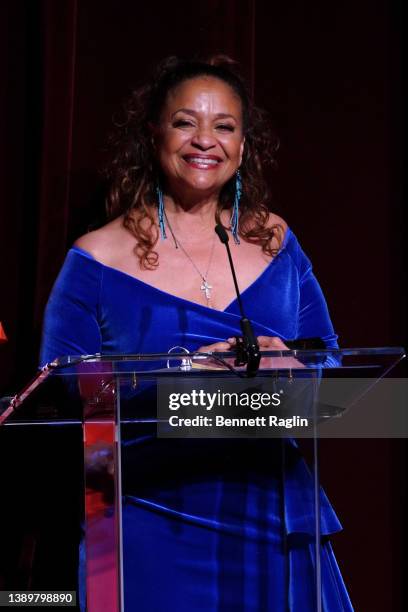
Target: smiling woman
[230,531]
[200,139]
[190,153]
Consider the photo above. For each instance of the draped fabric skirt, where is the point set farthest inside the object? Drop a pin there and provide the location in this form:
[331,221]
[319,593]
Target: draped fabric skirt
[229,530]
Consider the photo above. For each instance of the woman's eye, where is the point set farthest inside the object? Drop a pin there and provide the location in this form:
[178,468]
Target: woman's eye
[225,127]
[182,123]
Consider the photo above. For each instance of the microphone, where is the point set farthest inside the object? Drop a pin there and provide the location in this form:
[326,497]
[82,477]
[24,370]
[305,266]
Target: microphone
[248,348]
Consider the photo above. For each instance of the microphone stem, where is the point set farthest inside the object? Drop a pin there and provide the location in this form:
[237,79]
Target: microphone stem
[235,280]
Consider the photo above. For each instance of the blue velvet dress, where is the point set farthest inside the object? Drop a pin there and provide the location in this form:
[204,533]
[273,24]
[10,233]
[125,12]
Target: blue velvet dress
[209,525]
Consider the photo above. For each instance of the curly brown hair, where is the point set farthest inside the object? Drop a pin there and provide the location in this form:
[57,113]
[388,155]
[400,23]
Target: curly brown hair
[134,173]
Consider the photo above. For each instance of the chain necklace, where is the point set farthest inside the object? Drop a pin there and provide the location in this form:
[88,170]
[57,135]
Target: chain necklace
[205,285]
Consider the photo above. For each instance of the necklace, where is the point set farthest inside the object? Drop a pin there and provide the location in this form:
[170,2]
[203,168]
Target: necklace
[205,286]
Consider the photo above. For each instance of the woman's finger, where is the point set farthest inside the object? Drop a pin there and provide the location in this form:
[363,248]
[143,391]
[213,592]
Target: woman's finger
[217,346]
[271,343]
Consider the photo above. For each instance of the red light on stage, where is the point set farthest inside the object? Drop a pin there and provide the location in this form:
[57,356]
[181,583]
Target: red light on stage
[3,337]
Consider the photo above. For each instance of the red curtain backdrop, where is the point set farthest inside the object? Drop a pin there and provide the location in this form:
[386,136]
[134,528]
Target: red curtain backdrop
[330,74]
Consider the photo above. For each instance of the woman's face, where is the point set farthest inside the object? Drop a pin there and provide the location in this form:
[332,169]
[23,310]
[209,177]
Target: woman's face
[199,141]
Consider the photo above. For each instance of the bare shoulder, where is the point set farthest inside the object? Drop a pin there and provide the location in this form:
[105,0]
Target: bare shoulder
[280,228]
[103,244]
[277,220]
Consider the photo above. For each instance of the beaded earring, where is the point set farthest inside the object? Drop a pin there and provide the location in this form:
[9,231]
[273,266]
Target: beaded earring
[235,208]
[160,206]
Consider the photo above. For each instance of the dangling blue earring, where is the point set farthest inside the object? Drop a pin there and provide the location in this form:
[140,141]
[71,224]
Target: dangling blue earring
[161,212]
[235,208]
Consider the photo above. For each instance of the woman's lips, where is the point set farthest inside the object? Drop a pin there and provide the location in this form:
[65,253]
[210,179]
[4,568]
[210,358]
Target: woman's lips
[202,163]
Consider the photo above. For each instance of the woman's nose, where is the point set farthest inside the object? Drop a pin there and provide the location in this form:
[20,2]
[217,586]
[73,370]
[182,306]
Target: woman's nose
[203,138]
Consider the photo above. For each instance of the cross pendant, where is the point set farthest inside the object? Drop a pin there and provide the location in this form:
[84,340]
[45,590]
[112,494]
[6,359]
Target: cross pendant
[206,287]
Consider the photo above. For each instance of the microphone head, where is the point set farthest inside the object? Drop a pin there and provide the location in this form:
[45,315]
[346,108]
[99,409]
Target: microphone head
[221,233]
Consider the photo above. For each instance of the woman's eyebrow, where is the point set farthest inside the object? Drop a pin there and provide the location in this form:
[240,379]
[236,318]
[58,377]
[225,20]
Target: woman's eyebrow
[190,111]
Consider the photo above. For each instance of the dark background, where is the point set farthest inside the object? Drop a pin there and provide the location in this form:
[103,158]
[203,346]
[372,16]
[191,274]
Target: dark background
[330,74]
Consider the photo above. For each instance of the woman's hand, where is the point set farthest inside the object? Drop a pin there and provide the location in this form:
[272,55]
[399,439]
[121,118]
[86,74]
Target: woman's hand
[271,343]
[218,347]
[266,343]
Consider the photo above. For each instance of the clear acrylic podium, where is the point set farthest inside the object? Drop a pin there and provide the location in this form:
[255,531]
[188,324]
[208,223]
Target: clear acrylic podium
[110,396]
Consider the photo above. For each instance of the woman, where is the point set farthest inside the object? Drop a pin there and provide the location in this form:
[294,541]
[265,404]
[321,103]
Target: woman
[189,154]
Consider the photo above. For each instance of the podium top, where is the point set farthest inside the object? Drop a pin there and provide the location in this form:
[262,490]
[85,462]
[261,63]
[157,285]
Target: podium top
[379,359]
[93,377]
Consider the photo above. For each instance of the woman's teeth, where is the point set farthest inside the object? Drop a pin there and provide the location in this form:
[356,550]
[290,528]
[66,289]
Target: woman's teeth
[202,162]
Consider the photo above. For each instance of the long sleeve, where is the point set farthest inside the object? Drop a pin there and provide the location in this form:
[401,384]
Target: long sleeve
[71,317]
[314,319]
[313,316]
